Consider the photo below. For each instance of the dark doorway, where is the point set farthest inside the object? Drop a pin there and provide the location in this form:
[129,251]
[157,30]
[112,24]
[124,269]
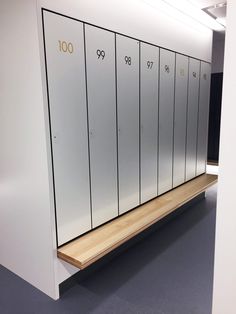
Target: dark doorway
[214,117]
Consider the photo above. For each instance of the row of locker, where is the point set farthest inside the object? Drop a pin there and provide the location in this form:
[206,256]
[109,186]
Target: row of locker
[128,121]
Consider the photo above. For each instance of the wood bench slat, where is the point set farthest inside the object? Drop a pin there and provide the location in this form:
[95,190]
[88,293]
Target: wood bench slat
[90,247]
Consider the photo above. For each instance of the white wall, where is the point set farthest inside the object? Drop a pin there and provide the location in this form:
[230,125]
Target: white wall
[218,53]
[137,18]
[225,252]
[27,236]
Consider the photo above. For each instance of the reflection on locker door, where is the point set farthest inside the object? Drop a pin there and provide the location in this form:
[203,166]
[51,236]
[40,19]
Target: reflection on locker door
[128,121]
[203,117]
[64,43]
[192,118]
[180,116]
[166,109]
[149,121]
[100,56]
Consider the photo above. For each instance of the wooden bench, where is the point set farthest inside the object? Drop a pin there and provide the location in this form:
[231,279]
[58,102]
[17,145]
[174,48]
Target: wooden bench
[90,247]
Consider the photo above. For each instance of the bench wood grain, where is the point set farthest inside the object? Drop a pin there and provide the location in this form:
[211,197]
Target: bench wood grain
[90,247]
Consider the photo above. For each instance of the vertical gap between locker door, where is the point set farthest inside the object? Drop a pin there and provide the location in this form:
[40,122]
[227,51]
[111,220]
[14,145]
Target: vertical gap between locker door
[173,139]
[199,87]
[186,133]
[89,159]
[158,119]
[140,174]
[50,130]
[117,131]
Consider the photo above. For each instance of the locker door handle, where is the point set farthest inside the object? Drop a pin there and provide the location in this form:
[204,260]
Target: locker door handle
[55,138]
[91,133]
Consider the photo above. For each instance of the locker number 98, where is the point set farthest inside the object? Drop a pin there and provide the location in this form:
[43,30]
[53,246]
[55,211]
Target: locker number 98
[65,47]
[128,60]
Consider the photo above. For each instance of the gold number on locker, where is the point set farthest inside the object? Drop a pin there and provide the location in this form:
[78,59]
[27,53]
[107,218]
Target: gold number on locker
[65,47]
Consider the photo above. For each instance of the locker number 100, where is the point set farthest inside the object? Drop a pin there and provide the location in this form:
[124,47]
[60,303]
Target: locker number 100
[65,47]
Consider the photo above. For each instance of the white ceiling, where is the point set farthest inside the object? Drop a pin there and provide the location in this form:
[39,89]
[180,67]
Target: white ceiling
[206,3]
[219,12]
[215,9]
[212,8]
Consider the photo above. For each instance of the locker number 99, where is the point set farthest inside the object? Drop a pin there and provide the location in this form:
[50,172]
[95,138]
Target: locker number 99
[101,54]
[65,47]
[128,60]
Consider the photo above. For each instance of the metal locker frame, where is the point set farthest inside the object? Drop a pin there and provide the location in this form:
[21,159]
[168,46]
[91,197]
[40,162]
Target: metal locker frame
[180,119]
[122,137]
[149,89]
[166,115]
[203,117]
[192,118]
[68,124]
[101,86]
[128,121]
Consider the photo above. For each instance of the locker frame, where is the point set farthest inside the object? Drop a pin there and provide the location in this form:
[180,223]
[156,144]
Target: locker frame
[140,119]
[115,128]
[186,119]
[43,9]
[45,65]
[172,145]
[198,94]
[207,126]
[138,105]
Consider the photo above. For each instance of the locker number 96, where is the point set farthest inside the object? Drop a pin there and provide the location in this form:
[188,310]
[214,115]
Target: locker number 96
[65,47]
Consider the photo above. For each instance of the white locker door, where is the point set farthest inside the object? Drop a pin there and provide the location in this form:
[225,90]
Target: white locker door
[128,121]
[166,114]
[64,44]
[192,118]
[149,56]
[100,57]
[203,117]
[180,119]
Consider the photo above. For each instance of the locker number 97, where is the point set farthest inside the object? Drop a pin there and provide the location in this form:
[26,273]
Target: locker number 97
[149,64]
[65,47]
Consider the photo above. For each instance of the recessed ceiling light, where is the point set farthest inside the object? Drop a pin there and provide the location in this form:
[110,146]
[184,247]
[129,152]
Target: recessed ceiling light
[220,5]
[195,13]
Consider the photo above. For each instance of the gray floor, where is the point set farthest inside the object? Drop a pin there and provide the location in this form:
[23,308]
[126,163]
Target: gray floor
[168,271]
